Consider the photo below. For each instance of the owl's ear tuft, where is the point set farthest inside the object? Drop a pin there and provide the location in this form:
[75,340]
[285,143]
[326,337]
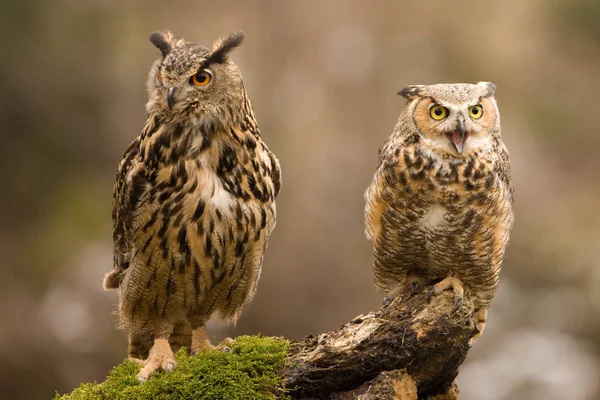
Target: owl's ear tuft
[162,40]
[223,46]
[489,87]
[411,92]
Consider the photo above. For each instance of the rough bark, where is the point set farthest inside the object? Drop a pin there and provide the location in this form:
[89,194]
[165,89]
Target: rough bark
[409,349]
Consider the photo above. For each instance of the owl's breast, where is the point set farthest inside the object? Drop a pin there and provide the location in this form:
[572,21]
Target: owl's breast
[433,217]
[213,190]
[426,178]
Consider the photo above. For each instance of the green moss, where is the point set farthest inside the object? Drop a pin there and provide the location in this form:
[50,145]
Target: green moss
[250,371]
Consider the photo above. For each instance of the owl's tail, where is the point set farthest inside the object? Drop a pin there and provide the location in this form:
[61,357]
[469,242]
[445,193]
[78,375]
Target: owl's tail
[111,280]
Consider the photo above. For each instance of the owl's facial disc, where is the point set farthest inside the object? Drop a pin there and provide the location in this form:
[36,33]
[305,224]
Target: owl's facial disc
[186,70]
[454,120]
[200,79]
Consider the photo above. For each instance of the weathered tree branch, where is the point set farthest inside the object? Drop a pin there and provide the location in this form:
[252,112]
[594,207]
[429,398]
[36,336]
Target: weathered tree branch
[410,348]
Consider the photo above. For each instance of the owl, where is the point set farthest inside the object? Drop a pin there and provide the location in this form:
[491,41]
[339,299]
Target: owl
[440,206]
[193,203]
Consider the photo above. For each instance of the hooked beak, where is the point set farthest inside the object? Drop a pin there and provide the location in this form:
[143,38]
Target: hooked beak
[458,136]
[171,97]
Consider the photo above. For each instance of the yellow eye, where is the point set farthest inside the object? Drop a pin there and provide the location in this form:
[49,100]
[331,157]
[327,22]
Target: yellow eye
[476,112]
[202,78]
[438,112]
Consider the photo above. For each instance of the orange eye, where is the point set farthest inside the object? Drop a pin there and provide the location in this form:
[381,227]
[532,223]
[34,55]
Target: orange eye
[159,76]
[202,78]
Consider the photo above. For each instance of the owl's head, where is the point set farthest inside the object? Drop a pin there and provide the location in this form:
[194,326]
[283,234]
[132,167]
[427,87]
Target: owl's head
[192,80]
[454,119]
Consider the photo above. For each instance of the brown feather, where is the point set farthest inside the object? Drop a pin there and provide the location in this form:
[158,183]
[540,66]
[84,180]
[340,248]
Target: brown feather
[435,214]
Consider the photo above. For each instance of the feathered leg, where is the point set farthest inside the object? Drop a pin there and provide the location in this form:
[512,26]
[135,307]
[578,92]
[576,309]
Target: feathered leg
[161,355]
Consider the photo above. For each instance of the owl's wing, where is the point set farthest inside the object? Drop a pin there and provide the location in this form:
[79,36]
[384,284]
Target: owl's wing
[275,173]
[378,193]
[254,181]
[128,192]
[503,171]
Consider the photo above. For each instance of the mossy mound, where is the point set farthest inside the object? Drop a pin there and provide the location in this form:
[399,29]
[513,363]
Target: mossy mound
[250,371]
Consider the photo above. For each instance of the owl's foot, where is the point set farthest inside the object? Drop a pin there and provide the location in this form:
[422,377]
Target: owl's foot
[161,356]
[449,282]
[392,295]
[416,284]
[200,342]
[226,344]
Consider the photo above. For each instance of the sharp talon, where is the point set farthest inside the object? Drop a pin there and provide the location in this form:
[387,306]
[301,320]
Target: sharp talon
[430,295]
[414,287]
[226,349]
[457,305]
[170,367]
[387,300]
[142,378]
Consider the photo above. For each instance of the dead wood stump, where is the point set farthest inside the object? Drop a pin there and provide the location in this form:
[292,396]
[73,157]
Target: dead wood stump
[409,349]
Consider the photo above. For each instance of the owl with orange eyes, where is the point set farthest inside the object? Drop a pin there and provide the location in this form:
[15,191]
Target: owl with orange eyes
[440,207]
[193,203]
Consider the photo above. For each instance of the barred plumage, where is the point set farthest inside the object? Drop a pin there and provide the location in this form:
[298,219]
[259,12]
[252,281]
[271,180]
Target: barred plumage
[194,203]
[440,204]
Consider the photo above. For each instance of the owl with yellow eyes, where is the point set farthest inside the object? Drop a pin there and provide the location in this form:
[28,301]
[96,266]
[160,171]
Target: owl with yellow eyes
[440,207]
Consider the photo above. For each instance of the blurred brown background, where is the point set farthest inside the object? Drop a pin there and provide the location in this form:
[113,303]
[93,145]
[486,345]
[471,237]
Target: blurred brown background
[323,77]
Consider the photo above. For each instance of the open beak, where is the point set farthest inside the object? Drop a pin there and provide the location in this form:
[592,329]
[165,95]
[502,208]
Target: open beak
[458,136]
[171,97]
